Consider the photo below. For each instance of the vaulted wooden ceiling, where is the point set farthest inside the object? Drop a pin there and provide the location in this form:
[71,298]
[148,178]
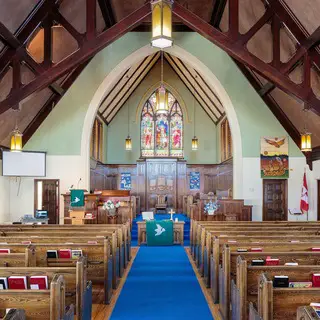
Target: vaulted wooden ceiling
[45,44]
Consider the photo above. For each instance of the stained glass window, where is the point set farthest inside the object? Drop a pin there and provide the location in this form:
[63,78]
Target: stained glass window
[162,134]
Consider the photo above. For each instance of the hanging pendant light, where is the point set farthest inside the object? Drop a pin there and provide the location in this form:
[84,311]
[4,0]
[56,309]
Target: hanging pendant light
[16,140]
[16,137]
[195,141]
[306,145]
[128,144]
[161,23]
[162,94]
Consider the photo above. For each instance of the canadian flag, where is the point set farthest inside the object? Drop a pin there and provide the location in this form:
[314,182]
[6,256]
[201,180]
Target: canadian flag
[304,201]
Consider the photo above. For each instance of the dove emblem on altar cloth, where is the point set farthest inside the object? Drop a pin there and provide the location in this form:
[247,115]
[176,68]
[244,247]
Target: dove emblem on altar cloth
[159,230]
[76,200]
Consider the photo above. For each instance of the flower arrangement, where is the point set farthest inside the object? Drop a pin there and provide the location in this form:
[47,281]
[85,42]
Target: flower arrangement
[111,205]
[211,207]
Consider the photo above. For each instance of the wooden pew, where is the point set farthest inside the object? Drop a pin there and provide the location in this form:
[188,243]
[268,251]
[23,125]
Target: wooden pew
[99,261]
[212,245]
[122,243]
[198,231]
[19,259]
[245,288]
[78,291]
[40,304]
[282,303]
[221,274]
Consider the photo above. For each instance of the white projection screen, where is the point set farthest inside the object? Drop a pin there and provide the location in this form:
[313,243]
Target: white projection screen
[23,164]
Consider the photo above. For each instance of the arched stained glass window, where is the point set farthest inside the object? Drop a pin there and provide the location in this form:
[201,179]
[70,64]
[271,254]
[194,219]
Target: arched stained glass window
[162,134]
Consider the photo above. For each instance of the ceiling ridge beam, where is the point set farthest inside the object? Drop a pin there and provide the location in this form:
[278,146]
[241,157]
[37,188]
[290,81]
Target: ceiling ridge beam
[87,51]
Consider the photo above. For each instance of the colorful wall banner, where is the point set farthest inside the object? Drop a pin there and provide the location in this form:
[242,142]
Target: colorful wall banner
[125,182]
[274,157]
[194,181]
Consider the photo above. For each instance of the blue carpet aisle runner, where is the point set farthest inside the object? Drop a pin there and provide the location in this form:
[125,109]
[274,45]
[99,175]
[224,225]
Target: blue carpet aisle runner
[159,216]
[161,285]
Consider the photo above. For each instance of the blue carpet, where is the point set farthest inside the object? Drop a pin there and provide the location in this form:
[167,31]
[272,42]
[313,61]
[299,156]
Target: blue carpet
[180,216]
[161,285]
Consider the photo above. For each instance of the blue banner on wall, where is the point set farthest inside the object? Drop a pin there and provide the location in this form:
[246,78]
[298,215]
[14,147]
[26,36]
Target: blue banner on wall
[194,180]
[125,182]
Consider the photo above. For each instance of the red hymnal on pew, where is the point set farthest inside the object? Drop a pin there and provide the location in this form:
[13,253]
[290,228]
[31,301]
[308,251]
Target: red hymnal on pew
[17,282]
[64,253]
[315,249]
[272,261]
[316,280]
[256,249]
[4,250]
[38,282]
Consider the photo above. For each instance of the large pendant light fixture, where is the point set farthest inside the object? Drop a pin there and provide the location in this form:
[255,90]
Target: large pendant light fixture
[162,94]
[306,145]
[161,23]
[195,141]
[128,141]
[16,138]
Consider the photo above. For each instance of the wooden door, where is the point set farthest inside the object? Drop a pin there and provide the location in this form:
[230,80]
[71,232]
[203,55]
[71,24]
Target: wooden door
[275,207]
[47,198]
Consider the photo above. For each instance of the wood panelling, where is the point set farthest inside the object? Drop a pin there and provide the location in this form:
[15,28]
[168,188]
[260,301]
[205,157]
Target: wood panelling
[146,183]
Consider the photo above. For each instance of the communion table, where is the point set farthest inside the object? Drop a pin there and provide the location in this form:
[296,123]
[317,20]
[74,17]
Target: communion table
[178,232]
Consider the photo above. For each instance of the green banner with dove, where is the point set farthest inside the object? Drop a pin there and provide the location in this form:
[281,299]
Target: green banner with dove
[159,232]
[77,198]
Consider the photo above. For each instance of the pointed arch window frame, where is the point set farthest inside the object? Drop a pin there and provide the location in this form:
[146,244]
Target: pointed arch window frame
[175,109]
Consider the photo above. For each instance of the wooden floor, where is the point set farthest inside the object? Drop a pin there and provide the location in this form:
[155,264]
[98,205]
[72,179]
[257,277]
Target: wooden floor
[101,311]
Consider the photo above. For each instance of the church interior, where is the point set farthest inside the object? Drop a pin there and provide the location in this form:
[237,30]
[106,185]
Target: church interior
[160,159]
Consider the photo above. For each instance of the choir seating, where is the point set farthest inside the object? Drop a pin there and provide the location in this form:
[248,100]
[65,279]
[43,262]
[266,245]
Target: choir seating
[78,290]
[40,304]
[161,204]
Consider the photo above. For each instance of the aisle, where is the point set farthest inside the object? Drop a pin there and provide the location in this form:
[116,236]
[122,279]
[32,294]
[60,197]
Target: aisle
[161,285]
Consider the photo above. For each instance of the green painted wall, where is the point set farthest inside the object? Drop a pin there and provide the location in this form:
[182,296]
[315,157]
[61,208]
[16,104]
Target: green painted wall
[60,134]
[118,128]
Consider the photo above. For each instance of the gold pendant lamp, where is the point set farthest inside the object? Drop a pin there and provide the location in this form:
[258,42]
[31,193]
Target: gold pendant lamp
[306,145]
[162,94]
[161,23]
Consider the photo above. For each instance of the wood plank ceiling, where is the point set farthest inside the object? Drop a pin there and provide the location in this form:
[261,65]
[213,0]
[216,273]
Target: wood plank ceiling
[282,34]
[130,80]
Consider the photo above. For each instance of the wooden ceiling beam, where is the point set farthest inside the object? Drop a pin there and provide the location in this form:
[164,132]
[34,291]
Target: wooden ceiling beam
[241,54]
[217,12]
[24,32]
[22,55]
[107,12]
[85,52]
